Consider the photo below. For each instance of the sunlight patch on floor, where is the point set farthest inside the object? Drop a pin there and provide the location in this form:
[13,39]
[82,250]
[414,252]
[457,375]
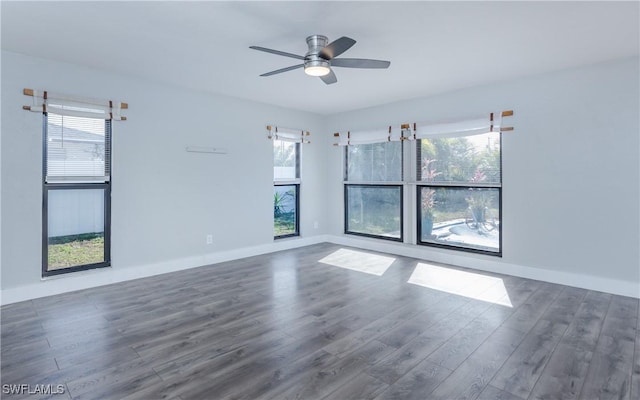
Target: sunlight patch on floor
[462,283]
[285,283]
[359,261]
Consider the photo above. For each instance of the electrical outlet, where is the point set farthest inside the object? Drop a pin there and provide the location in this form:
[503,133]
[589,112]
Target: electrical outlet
[315,225]
[209,239]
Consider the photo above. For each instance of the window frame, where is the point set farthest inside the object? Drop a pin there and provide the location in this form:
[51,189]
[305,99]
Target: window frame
[419,240]
[70,185]
[462,185]
[375,185]
[297,213]
[296,182]
[372,184]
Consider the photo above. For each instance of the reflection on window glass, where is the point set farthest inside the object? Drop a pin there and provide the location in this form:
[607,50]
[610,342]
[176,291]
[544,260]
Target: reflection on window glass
[462,217]
[376,162]
[285,213]
[285,160]
[76,223]
[374,210]
[472,159]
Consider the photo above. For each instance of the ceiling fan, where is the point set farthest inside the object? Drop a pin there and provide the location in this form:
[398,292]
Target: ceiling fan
[322,56]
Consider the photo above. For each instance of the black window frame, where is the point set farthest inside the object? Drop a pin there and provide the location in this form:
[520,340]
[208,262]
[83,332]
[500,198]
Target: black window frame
[373,184]
[377,185]
[292,182]
[462,185]
[48,186]
[297,213]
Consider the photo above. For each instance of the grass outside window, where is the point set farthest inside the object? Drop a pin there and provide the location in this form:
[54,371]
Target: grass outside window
[74,250]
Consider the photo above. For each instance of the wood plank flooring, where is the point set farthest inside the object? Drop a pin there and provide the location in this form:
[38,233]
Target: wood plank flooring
[287,326]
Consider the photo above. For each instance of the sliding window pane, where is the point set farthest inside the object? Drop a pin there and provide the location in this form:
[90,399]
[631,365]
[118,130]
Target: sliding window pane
[75,228]
[374,211]
[285,210]
[460,217]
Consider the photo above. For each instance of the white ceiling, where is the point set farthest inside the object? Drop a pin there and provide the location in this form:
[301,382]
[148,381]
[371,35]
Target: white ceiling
[433,46]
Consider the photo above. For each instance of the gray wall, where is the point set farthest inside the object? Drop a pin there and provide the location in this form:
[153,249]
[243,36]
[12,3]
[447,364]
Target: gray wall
[570,168]
[164,200]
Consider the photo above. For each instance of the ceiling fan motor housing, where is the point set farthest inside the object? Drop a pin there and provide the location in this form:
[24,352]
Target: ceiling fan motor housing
[312,58]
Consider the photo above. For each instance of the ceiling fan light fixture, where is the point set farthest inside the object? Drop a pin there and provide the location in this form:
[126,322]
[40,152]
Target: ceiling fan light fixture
[317,70]
[316,66]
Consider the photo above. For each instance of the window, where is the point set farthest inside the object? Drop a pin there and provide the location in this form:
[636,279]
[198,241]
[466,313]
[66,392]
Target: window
[374,210]
[77,193]
[459,192]
[285,210]
[373,190]
[286,190]
[447,174]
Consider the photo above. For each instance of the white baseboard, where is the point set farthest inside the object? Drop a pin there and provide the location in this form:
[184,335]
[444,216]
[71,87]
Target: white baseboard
[100,277]
[490,264]
[105,276]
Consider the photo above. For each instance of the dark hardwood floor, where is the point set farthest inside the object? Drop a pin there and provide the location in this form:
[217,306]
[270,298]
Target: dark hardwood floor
[285,326]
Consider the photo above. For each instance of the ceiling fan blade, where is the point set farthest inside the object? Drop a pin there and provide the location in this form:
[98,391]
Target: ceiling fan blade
[281,70]
[337,47]
[329,78]
[278,52]
[359,63]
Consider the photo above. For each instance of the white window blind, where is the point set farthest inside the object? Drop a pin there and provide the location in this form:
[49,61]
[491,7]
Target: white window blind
[286,160]
[426,130]
[374,162]
[389,134]
[470,127]
[77,149]
[76,106]
[288,134]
